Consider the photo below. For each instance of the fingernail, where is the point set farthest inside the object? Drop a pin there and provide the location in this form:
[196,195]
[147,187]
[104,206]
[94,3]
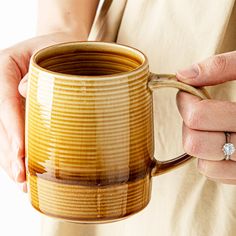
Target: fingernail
[25,79]
[23,187]
[189,73]
[15,171]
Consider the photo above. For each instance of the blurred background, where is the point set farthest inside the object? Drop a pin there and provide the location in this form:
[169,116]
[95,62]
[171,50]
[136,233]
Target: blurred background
[17,217]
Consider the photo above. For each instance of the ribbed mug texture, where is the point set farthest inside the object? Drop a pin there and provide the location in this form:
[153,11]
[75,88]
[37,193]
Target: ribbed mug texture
[89,131]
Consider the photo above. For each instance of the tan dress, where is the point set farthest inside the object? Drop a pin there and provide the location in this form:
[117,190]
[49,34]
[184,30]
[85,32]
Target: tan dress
[173,34]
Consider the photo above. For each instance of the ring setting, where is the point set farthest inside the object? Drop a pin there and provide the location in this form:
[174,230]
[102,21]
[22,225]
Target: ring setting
[228,147]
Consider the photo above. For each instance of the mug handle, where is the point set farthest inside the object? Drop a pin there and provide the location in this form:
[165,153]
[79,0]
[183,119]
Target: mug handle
[169,80]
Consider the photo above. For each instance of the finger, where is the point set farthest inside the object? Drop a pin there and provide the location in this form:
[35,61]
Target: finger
[214,70]
[8,159]
[23,86]
[12,119]
[206,145]
[218,169]
[11,116]
[208,115]
[21,176]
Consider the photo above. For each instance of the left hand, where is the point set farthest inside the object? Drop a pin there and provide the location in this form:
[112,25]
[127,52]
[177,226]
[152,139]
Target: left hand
[205,121]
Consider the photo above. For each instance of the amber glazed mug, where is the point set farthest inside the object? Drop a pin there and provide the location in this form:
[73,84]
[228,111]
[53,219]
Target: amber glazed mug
[89,131]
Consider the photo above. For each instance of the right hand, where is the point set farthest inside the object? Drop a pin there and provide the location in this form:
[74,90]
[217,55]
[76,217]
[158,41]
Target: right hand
[14,63]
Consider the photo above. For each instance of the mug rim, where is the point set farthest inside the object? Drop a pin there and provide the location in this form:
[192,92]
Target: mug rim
[138,69]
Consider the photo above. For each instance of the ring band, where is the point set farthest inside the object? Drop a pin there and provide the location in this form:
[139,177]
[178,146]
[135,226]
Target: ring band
[228,147]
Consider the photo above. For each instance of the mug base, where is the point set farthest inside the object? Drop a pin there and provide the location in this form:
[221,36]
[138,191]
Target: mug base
[99,221]
[86,204]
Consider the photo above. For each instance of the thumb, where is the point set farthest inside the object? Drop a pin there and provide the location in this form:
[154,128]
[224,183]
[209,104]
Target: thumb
[23,86]
[214,70]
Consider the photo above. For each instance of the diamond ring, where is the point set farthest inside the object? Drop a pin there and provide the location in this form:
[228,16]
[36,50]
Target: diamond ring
[228,147]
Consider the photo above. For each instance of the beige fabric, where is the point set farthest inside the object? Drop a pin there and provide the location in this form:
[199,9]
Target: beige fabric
[107,20]
[174,34]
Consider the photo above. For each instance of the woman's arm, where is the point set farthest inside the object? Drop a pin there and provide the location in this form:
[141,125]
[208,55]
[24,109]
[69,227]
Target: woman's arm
[72,16]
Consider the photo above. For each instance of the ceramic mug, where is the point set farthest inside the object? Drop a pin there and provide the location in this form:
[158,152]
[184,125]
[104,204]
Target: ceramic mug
[89,131]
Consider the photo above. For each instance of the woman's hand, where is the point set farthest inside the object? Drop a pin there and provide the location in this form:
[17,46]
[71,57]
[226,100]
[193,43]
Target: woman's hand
[14,63]
[206,121]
